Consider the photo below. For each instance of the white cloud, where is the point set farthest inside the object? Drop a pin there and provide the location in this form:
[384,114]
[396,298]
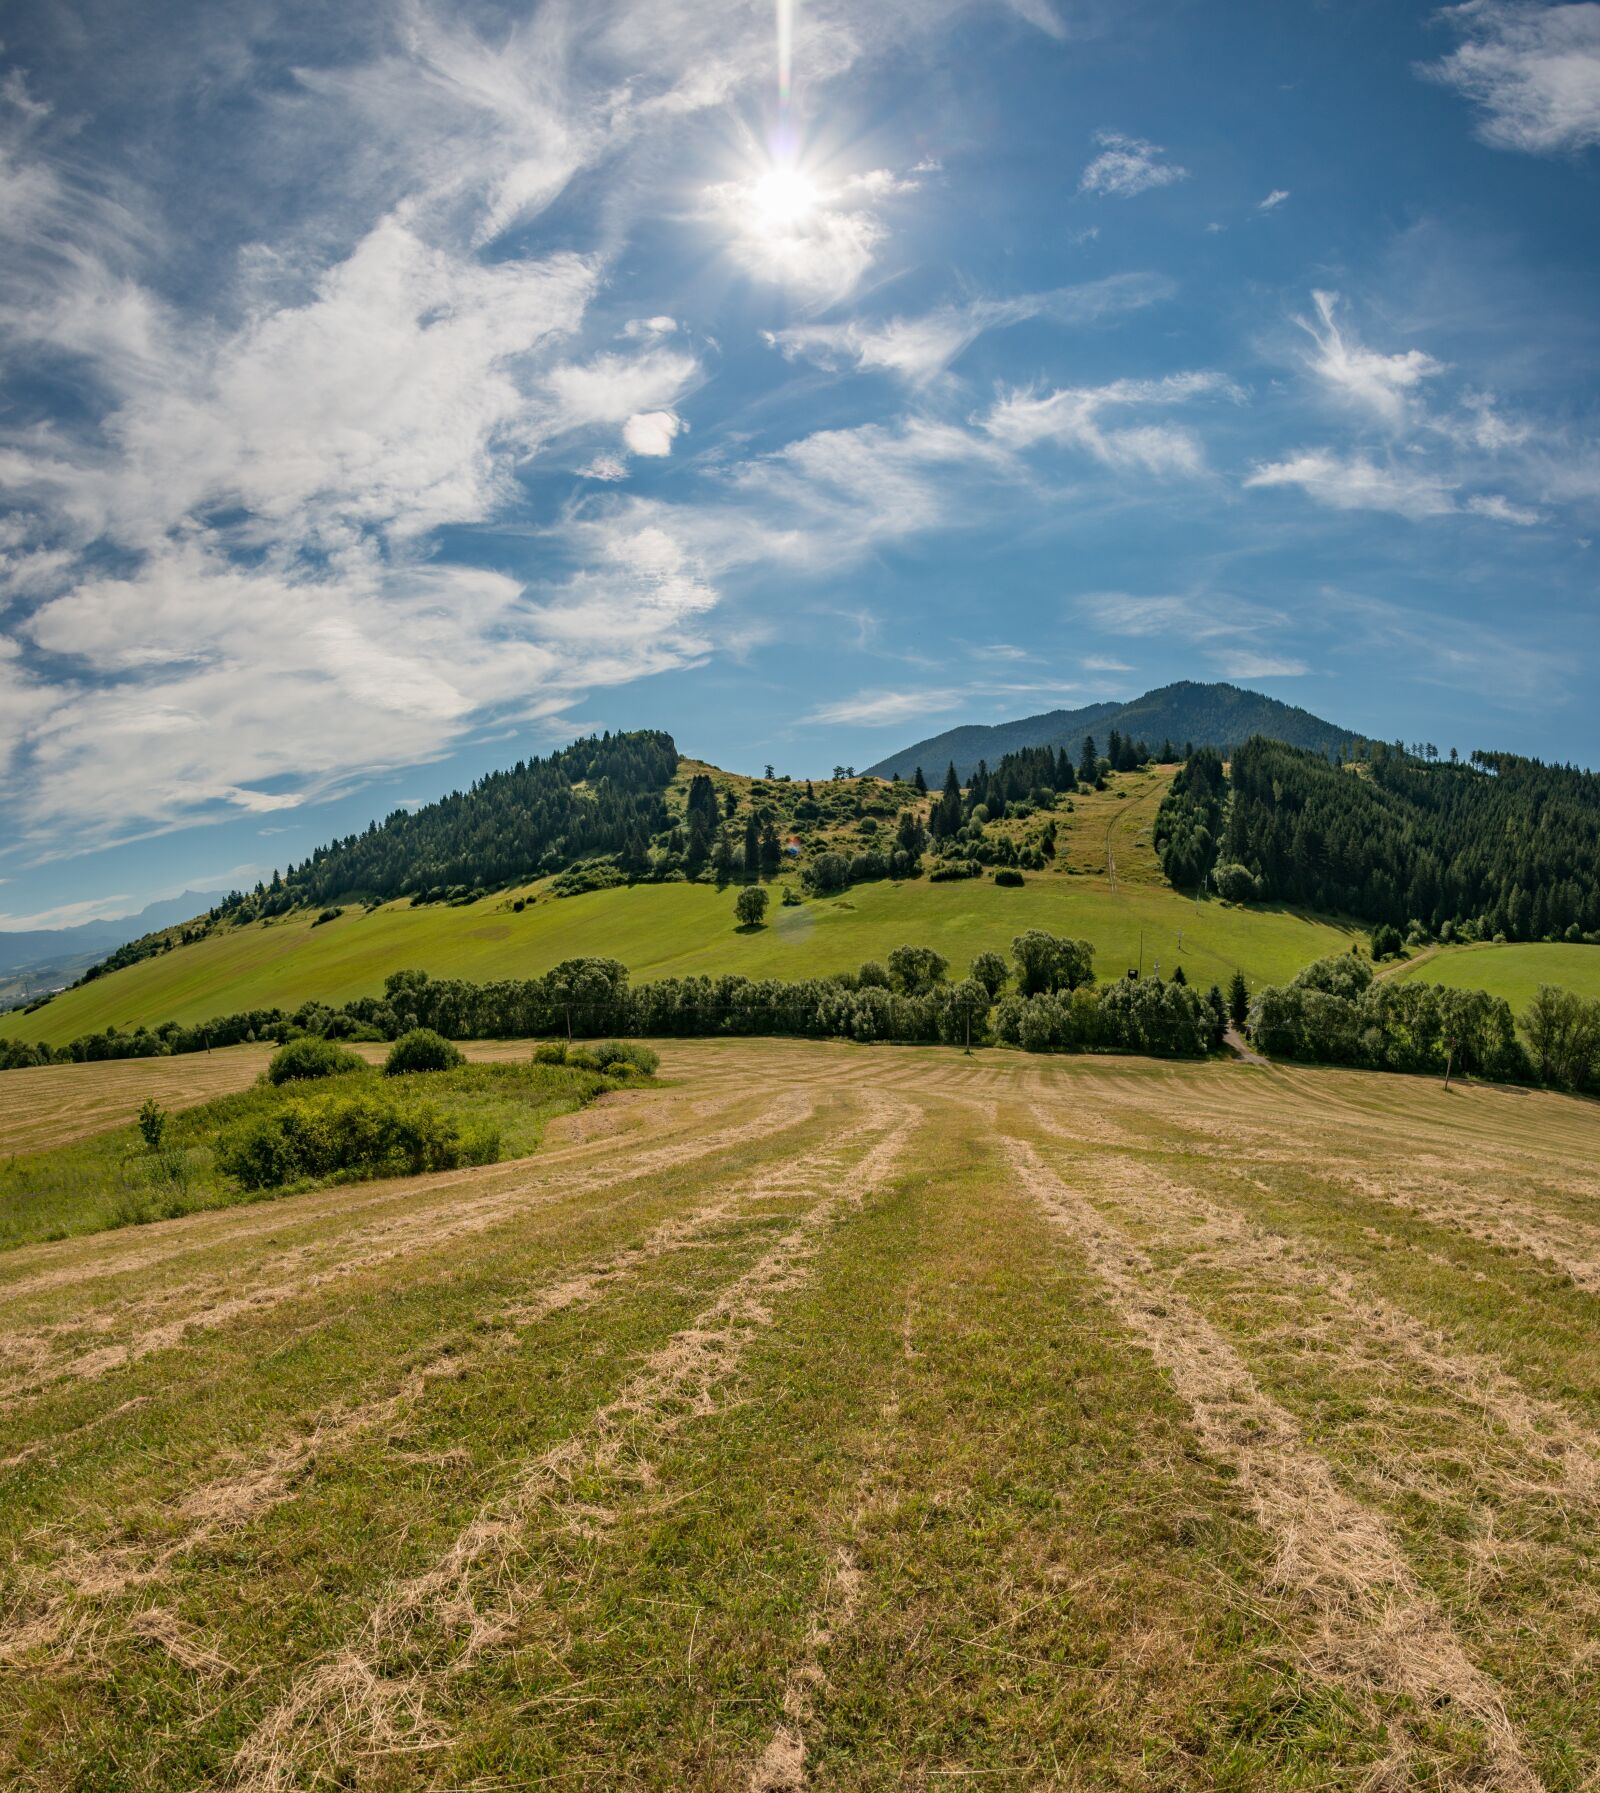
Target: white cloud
[1273,200]
[1128,165]
[605,466]
[1357,483]
[1534,70]
[1499,509]
[649,328]
[1260,666]
[1382,384]
[1074,417]
[1201,617]
[1104,663]
[879,709]
[651,432]
[918,349]
[613,388]
[68,915]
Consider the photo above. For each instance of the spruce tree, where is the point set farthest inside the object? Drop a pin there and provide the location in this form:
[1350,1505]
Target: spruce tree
[921,783]
[1089,764]
[1238,999]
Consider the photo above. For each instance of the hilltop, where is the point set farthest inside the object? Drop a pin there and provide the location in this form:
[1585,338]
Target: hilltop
[1202,715]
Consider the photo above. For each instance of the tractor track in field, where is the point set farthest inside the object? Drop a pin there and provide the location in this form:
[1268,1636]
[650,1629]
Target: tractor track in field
[45,1357]
[1381,1635]
[229,1502]
[1371,1331]
[459,1607]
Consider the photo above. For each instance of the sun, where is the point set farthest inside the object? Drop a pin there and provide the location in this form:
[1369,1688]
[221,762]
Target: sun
[782,197]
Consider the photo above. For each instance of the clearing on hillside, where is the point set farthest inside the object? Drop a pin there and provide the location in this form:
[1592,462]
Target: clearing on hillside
[1104,885]
[836,1417]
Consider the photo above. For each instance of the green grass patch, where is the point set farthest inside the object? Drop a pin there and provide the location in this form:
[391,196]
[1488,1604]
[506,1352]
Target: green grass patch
[118,1178]
[1514,970]
[681,929]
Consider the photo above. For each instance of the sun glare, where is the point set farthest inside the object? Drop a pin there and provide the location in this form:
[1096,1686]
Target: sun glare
[782,198]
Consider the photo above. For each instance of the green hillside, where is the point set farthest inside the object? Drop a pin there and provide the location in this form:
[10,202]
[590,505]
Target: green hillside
[1103,885]
[1513,970]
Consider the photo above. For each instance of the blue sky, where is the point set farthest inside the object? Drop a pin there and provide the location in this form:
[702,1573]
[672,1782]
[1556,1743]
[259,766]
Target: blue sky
[388,392]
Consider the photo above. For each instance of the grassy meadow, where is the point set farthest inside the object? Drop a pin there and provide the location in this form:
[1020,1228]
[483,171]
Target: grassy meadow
[1514,970]
[117,1177]
[835,1417]
[1105,887]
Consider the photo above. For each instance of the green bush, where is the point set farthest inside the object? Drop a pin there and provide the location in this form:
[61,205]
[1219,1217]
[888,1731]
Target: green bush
[1008,877]
[349,1136]
[624,1055]
[311,1057]
[550,1052]
[421,1050]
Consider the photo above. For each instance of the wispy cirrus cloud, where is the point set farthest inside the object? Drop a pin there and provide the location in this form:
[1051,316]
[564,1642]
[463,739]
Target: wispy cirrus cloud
[1078,417]
[1378,383]
[1355,482]
[1533,70]
[918,349]
[1127,166]
[881,709]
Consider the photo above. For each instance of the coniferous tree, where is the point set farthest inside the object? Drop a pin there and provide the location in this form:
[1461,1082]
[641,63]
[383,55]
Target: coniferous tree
[1089,763]
[921,783]
[1238,999]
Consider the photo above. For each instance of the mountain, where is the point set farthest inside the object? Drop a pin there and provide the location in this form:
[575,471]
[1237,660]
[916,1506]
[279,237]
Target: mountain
[24,949]
[1216,715]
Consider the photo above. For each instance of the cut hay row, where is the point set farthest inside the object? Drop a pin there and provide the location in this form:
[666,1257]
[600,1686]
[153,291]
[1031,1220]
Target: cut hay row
[1382,1634]
[840,1417]
[467,1601]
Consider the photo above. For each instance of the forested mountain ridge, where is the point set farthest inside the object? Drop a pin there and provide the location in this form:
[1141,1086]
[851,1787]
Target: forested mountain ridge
[1496,845]
[1187,713]
[603,794]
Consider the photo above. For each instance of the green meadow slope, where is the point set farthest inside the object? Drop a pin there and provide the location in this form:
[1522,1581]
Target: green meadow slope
[1104,886]
[1513,970]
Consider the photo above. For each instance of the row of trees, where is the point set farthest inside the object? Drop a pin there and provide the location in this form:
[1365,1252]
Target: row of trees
[1335,1013]
[1495,846]
[1052,1002]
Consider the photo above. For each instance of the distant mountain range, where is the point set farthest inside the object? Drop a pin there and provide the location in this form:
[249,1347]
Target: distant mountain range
[44,948]
[1213,715]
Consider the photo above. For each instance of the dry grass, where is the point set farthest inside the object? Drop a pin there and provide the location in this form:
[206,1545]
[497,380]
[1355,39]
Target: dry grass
[834,1417]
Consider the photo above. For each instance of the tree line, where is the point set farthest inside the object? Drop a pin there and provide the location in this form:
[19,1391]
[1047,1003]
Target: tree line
[1335,1013]
[1044,998]
[1496,846]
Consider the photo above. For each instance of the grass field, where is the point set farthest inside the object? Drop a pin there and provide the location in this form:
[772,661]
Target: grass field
[835,1418]
[1105,888]
[1513,971]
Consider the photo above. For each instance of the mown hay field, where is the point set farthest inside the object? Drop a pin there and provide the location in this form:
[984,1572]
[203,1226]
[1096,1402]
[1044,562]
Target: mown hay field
[836,1417]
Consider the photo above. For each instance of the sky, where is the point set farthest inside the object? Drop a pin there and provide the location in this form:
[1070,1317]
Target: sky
[390,392]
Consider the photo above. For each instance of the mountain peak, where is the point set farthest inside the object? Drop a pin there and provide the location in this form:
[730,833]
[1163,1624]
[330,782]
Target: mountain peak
[1207,714]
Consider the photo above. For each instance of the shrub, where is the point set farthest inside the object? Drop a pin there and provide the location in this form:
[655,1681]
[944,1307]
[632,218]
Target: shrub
[624,1056]
[1234,883]
[311,1057]
[327,915]
[550,1052]
[421,1050]
[1386,942]
[1009,877]
[152,1123]
[362,1135]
